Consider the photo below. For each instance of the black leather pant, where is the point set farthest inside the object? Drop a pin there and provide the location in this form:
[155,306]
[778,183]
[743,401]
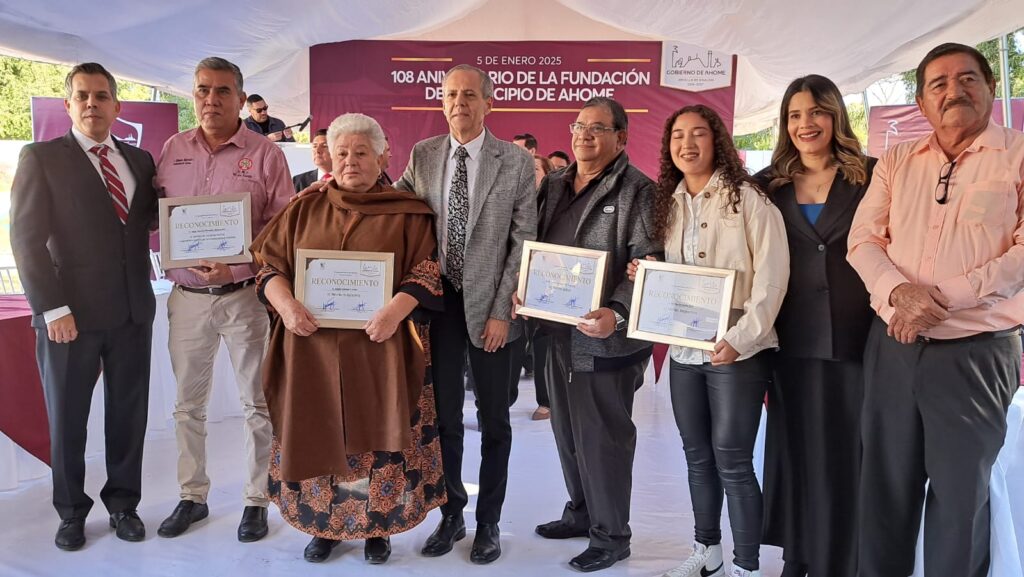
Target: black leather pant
[718,410]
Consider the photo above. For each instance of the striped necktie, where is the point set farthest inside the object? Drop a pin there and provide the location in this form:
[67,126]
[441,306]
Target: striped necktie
[113,182]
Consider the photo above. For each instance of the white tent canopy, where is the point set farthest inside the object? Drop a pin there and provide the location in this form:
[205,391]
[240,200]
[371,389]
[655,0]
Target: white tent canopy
[853,43]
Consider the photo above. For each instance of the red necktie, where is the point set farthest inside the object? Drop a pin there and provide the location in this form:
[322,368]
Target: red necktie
[114,186]
[326,176]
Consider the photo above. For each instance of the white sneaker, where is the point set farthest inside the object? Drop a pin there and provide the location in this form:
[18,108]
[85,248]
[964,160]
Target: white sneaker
[741,572]
[704,562]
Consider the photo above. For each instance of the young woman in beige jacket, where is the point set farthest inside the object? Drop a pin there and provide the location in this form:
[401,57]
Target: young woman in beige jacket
[711,213]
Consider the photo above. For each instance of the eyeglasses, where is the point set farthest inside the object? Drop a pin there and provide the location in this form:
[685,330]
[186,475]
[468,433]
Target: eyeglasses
[945,174]
[593,129]
[261,110]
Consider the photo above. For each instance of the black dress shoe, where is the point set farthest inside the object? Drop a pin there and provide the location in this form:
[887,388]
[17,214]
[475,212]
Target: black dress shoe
[319,549]
[594,559]
[794,569]
[253,526]
[70,534]
[186,513]
[128,526]
[486,544]
[377,550]
[449,530]
[560,530]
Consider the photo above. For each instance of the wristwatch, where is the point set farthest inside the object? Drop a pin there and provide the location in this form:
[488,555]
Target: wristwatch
[620,322]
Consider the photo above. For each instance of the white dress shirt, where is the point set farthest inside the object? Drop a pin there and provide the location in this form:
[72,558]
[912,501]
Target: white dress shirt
[691,228]
[124,174]
[473,147]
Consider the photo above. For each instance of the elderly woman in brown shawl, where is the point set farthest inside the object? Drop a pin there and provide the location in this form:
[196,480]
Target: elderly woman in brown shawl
[355,452]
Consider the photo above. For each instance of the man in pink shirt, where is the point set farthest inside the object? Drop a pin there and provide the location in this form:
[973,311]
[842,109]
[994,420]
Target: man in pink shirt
[217,301]
[939,243]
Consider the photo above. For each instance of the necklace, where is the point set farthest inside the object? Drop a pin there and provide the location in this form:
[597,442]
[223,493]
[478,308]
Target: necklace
[821,184]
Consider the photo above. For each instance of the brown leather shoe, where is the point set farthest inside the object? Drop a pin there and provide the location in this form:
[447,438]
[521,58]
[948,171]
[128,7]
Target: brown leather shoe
[541,414]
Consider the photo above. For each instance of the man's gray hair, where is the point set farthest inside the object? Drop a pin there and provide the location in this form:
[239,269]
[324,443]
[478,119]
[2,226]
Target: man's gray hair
[220,64]
[486,83]
[355,123]
[89,68]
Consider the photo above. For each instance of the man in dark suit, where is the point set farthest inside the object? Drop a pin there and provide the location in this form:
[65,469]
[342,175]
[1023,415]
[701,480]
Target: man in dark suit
[321,159]
[81,209]
[482,190]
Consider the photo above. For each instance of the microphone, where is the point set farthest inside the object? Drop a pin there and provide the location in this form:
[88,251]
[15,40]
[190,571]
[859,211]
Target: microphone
[301,125]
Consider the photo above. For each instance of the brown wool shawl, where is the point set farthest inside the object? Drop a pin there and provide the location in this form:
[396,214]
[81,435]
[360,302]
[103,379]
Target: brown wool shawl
[336,393]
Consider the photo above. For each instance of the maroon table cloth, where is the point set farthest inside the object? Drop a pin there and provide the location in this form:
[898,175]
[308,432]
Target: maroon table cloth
[22,406]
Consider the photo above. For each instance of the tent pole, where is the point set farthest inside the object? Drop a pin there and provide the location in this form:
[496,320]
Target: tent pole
[1004,67]
[867,119]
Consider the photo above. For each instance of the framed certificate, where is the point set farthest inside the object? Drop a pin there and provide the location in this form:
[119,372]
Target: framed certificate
[343,289]
[195,228]
[679,304]
[560,283]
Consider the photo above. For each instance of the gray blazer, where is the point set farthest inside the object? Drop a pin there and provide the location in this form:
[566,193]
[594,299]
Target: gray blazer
[502,216]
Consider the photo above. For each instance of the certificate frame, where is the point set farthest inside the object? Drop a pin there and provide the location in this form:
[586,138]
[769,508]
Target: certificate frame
[530,248]
[166,205]
[634,332]
[304,255]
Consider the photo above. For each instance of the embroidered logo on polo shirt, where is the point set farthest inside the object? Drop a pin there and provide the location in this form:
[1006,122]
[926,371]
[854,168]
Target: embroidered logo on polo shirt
[245,164]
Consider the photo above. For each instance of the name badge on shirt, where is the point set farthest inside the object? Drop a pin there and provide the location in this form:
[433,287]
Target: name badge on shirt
[609,209]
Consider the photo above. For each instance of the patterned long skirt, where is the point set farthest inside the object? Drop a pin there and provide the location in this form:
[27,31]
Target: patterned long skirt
[387,493]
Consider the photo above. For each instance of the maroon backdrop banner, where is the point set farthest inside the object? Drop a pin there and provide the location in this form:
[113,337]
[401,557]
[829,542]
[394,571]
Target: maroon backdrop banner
[144,124]
[888,125]
[539,87]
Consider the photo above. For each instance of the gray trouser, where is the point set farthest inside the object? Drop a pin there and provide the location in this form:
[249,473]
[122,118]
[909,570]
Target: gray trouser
[933,412]
[592,420]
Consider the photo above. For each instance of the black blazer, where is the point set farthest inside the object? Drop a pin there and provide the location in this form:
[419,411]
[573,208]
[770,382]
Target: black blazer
[302,180]
[826,313]
[69,245]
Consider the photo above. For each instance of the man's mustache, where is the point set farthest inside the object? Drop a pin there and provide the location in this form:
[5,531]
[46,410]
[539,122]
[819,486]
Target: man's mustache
[956,102]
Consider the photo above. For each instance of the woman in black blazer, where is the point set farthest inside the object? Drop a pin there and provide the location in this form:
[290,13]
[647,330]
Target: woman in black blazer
[817,178]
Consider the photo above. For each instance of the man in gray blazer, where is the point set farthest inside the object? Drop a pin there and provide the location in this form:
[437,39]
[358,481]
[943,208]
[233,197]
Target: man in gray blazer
[482,190]
[81,208]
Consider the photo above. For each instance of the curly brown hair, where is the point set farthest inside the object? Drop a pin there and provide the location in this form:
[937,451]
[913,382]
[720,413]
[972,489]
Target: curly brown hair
[731,170]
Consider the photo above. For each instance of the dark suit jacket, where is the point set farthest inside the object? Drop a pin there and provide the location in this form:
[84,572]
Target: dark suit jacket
[70,247]
[826,313]
[301,181]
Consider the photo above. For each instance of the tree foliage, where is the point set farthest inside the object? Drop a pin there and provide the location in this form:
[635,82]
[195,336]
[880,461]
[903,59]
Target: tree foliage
[761,140]
[990,50]
[766,139]
[24,79]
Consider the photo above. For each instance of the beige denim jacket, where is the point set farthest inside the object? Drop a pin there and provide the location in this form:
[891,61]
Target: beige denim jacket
[751,242]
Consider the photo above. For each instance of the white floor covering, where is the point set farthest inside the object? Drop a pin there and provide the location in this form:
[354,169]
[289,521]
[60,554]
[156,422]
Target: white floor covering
[661,519]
